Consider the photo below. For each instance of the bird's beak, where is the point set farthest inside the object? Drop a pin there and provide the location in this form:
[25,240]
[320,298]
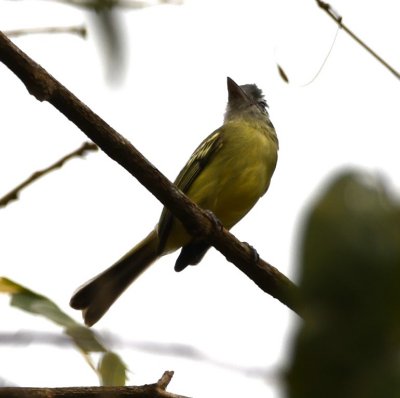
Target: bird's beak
[235,92]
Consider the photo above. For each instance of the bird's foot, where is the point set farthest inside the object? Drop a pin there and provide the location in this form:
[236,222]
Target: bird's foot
[254,254]
[214,219]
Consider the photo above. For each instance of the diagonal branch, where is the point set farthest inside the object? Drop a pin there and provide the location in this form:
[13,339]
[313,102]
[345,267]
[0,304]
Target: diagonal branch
[197,221]
[13,194]
[339,20]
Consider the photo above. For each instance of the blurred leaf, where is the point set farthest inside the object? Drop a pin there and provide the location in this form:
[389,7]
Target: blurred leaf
[39,305]
[112,370]
[349,344]
[111,38]
[282,74]
[84,338]
[107,17]
[34,303]
[8,286]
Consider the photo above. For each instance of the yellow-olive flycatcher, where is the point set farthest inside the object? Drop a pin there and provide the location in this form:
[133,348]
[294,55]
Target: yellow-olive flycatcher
[227,174]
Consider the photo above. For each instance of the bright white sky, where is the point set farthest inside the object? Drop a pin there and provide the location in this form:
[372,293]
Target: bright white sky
[79,220]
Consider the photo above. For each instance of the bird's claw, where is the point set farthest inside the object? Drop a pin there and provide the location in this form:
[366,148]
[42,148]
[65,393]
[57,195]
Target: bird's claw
[254,253]
[217,223]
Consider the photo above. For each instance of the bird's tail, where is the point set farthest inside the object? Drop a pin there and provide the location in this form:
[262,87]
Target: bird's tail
[96,296]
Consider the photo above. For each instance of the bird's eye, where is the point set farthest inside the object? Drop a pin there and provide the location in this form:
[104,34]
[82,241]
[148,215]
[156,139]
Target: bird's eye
[262,105]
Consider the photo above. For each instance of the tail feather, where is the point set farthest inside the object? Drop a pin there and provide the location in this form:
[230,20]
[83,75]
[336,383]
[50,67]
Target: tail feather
[96,296]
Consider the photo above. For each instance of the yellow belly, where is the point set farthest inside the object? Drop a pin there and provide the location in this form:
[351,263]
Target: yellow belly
[232,182]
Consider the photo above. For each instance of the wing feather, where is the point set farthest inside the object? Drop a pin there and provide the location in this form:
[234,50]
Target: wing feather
[197,162]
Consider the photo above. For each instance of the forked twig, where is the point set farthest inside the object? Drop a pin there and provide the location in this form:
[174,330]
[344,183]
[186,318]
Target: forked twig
[339,20]
[13,194]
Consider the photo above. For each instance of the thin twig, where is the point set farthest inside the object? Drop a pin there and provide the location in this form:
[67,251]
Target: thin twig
[339,20]
[121,4]
[156,390]
[13,194]
[77,30]
[285,78]
[197,221]
[174,349]
[165,379]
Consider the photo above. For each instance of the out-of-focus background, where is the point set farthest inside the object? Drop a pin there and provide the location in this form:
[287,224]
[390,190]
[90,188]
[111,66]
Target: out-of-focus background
[165,90]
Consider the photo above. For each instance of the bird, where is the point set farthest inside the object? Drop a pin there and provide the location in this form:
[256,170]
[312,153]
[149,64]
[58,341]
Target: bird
[226,175]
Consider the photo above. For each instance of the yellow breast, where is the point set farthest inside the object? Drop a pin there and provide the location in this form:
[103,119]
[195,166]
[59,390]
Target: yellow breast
[235,178]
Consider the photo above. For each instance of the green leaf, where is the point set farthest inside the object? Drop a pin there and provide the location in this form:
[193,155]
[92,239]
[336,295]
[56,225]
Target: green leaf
[85,338]
[40,305]
[8,286]
[112,370]
[35,303]
[349,344]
